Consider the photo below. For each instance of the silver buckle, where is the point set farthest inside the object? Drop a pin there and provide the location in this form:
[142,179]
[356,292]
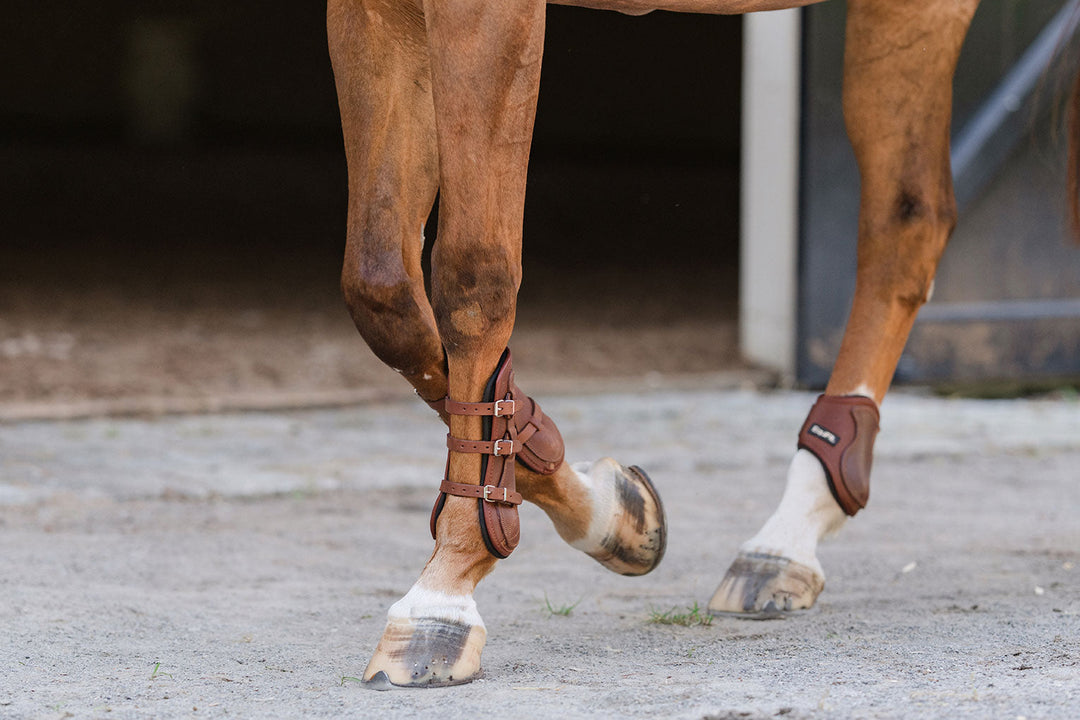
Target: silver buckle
[487,494]
[500,404]
[496,451]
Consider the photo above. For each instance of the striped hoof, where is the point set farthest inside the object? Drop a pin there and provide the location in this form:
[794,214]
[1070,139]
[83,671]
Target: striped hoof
[425,653]
[763,587]
[628,532]
[431,639]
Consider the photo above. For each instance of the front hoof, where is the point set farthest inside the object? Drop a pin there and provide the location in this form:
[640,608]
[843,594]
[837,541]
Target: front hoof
[425,653]
[629,530]
[758,586]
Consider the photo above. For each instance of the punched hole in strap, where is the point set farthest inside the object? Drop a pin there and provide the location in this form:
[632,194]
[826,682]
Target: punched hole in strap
[499,408]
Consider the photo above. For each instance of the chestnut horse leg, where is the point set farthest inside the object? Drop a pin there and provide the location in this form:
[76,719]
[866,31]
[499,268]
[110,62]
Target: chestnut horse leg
[381,63]
[379,54]
[380,57]
[898,68]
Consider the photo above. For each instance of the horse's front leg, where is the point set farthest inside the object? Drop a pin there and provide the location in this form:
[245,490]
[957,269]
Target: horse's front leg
[485,71]
[899,62]
[383,74]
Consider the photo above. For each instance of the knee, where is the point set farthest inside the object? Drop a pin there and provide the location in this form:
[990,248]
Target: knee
[474,294]
[375,285]
[382,300]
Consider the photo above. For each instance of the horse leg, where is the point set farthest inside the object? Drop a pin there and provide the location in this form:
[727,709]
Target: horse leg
[379,54]
[898,68]
[478,68]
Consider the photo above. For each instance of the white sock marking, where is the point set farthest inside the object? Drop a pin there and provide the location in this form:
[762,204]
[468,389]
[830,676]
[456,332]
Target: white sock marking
[602,499]
[421,602]
[806,514]
[864,390]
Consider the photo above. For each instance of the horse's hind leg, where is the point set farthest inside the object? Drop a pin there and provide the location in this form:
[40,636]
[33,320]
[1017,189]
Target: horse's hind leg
[899,62]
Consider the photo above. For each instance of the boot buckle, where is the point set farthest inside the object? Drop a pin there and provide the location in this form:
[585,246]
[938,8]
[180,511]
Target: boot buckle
[487,494]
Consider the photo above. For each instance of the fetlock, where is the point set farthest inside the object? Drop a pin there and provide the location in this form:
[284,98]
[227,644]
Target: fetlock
[840,432]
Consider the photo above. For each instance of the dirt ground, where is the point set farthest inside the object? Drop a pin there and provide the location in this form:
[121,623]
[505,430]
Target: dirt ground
[240,565]
[161,561]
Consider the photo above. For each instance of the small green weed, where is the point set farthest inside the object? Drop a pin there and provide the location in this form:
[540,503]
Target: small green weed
[693,616]
[563,610]
[158,672]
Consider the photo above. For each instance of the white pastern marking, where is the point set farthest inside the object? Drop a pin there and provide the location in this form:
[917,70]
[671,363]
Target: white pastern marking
[806,514]
[864,390]
[595,479]
[421,602]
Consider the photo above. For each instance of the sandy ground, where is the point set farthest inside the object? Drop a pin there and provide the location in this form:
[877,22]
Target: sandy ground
[241,565]
[123,347]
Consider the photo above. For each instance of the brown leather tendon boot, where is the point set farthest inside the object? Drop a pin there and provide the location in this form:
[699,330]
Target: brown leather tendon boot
[542,447]
[497,496]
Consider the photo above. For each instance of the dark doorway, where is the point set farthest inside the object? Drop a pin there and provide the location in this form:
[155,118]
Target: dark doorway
[173,188]
[632,215]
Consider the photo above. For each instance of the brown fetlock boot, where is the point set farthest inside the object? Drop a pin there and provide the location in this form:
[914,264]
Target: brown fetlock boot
[840,432]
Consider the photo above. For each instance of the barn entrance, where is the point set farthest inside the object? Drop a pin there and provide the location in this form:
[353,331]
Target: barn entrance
[1006,304]
[173,189]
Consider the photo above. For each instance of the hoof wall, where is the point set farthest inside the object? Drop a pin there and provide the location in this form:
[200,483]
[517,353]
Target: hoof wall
[635,541]
[769,612]
[765,587]
[379,681]
[425,653]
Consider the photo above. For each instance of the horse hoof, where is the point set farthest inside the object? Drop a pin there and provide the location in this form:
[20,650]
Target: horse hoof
[628,534]
[765,587]
[425,653]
